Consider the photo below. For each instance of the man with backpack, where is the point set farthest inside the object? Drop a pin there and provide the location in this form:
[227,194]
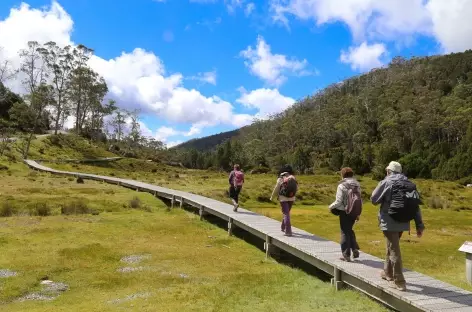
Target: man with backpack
[399,204]
[236,181]
[286,187]
[348,206]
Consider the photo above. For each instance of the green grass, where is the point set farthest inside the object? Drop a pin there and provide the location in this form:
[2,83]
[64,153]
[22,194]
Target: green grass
[82,249]
[194,266]
[447,212]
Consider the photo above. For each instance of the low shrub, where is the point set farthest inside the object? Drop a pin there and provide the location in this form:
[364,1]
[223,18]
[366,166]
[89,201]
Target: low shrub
[7,209]
[260,170]
[75,207]
[263,198]
[41,209]
[135,203]
[437,202]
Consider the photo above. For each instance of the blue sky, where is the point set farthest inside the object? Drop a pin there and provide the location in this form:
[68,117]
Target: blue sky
[208,66]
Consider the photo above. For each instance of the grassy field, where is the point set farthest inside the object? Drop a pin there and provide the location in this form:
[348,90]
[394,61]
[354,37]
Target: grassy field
[188,265]
[77,233]
[447,212]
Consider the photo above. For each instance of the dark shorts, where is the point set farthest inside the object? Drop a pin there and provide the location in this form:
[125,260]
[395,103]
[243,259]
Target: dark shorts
[234,192]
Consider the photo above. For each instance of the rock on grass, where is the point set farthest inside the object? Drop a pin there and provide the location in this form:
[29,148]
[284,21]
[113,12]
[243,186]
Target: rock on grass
[5,273]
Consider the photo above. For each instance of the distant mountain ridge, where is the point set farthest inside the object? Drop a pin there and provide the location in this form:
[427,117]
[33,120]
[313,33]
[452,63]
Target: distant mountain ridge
[209,142]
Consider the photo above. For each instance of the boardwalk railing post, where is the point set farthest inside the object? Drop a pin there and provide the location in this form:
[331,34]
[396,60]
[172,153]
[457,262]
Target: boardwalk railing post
[336,281]
[172,202]
[267,246]
[230,227]
[181,202]
[201,211]
[467,249]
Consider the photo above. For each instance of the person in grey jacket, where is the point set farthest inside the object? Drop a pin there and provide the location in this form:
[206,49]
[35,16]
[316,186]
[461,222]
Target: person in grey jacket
[346,222]
[393,230]
[286,203]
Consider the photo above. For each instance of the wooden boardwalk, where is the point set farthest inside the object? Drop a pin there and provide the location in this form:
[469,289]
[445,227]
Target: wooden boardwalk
[423,292]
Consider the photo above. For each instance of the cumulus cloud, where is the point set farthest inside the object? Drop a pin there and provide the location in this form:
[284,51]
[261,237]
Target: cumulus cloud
[272,68]
[451,24]
[364,57]
[136,79]
[387,20]
[266,101]
[27,24]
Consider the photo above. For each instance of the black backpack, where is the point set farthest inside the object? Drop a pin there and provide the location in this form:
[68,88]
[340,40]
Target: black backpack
[289,186]
[405,201]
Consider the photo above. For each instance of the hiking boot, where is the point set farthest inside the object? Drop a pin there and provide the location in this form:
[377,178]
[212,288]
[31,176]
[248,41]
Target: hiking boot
[398,285]
[288,234]
[345,258]
[385,277]
[355,254]
[235,209]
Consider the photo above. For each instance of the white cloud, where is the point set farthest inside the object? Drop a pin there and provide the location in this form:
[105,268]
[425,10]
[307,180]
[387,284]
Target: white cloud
[26,24]
[451,23]
[207,77]
[232,5]
[173,143]
[266,101]
[165,132]
[137,79]
[372,18]
[269,67]
[194,130]
[249,8]
[388,20]
[364,57]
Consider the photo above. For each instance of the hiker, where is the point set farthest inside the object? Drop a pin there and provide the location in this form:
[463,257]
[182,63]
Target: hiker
[236,181]
[348,206]
[399,204]
[285,188]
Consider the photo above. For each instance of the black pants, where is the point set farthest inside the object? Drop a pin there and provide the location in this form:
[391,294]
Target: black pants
[234,193]
[348,237]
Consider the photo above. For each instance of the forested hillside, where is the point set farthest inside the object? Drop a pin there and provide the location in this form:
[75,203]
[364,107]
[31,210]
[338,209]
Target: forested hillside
[208,142]
[417,111]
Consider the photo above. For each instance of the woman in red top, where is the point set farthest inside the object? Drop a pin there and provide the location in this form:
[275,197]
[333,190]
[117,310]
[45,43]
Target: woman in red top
[236,181]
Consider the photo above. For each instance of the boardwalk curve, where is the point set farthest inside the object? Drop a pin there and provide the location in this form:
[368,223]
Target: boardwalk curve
[424,292]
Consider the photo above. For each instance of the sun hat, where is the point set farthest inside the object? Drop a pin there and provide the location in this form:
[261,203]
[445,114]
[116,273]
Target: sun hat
[394,166]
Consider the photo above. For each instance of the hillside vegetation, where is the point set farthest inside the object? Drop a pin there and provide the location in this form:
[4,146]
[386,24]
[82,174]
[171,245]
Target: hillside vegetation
[417,111]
